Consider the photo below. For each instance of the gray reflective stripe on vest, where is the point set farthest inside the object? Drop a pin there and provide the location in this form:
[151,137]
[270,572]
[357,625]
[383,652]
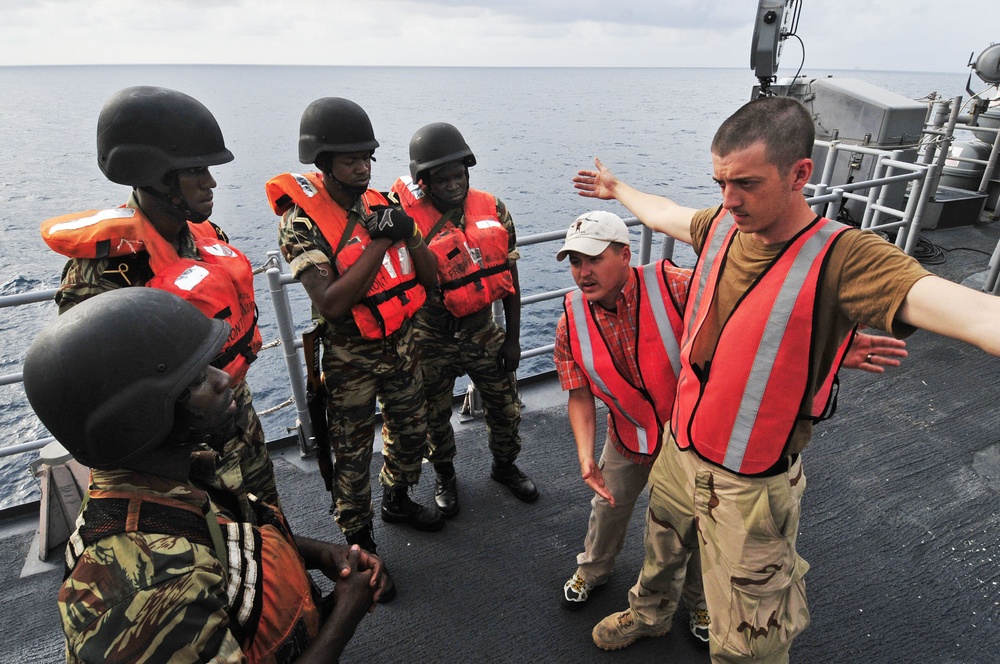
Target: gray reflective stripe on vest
[767,352]
[708,255]
[243,570]
[582,330]
[657,302]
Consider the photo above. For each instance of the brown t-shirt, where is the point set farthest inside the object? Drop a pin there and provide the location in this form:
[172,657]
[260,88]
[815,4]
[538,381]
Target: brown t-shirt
[865,281]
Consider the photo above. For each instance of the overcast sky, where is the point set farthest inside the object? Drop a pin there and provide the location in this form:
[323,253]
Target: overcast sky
[903,35]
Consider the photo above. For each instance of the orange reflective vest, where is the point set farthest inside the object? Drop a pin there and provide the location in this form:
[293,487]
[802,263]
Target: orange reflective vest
[395,294]
[740,410]
[473,271]
[272,611]
[639,413]
[220,284]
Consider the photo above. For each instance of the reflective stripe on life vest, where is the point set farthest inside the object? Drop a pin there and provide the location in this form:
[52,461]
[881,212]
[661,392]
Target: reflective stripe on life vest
[638,412]
[269,593]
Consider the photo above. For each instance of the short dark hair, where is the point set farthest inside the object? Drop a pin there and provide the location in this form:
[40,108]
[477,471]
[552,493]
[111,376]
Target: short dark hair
[783,124]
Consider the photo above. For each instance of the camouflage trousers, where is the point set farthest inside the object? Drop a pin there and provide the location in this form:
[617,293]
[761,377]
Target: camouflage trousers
[245,466]
[754,579]
[608,525]
[356,371]
[446,355]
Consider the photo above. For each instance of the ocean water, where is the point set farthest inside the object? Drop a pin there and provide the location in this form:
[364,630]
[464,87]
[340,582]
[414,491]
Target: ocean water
[531,130]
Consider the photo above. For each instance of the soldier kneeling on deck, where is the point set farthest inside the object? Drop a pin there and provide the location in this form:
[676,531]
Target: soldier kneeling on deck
[159,568]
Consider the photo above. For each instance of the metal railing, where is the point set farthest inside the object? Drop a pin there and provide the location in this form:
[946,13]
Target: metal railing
[828,198]
[889,170]
[279,277]
[943,119]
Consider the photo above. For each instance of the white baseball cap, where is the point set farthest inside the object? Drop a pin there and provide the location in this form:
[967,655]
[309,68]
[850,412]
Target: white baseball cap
[591,233]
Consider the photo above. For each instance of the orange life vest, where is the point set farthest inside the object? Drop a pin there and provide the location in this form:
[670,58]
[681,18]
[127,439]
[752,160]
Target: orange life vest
[270,600]
[220,284]
[473,271]
[395,294]
[740,410]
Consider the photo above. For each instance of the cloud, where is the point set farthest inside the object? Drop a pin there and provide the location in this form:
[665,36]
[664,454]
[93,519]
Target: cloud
[676,14]
[915,35]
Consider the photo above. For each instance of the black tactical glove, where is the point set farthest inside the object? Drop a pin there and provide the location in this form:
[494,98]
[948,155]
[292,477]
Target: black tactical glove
[391,223]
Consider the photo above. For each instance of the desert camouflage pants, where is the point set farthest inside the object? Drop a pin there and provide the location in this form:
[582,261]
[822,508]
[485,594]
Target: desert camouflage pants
[746,527]
[447,355]
[356,371]
[245,466]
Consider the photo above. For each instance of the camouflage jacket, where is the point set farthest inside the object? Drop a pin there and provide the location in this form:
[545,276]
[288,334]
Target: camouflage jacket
[148,597]
[159,571]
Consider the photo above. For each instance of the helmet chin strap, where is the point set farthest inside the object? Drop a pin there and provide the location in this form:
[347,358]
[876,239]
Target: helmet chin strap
[349,189]
[443,206]
[186,433]
[168,197]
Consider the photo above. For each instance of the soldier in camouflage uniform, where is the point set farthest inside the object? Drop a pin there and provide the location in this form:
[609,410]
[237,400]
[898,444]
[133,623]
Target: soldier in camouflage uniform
[171,187]
[364,266]
[159,568]
[472,235]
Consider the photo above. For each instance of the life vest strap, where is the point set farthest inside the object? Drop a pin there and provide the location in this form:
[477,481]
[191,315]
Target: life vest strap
[398,290]
[242,346]
[470,278]
[106,517]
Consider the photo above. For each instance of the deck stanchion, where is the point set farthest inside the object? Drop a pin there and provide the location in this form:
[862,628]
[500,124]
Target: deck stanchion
[276,280]
[992,284]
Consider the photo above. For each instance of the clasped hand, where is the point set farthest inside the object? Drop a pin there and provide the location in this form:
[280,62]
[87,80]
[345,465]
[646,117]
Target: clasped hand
[391,223]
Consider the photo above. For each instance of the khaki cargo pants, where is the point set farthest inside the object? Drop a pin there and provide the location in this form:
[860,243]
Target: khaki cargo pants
[746,528]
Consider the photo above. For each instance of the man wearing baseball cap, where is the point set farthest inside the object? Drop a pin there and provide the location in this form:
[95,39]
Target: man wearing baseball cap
[617,341]
[591,233]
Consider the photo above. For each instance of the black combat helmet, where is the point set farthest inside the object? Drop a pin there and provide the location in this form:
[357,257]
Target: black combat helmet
[334,124]
[145,132]
[104,377]
[436,144]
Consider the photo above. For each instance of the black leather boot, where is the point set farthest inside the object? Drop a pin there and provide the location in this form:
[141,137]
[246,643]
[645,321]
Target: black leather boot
[446,489]
[398,508]
[511,477]
[366,540]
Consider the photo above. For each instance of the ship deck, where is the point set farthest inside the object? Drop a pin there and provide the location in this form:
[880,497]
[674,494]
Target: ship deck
[901,524]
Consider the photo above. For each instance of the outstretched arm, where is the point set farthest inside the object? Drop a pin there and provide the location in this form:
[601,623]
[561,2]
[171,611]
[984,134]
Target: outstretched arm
[658,213]
[943,307]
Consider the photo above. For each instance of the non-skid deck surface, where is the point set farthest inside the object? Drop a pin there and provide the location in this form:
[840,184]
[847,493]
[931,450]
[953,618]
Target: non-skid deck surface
[901,524]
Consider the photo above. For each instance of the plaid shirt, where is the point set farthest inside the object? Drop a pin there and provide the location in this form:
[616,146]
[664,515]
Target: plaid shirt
[619,329]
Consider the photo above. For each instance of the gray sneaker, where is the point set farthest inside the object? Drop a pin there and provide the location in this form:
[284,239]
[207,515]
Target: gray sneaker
[620,630]
[699,625]
[577,591]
